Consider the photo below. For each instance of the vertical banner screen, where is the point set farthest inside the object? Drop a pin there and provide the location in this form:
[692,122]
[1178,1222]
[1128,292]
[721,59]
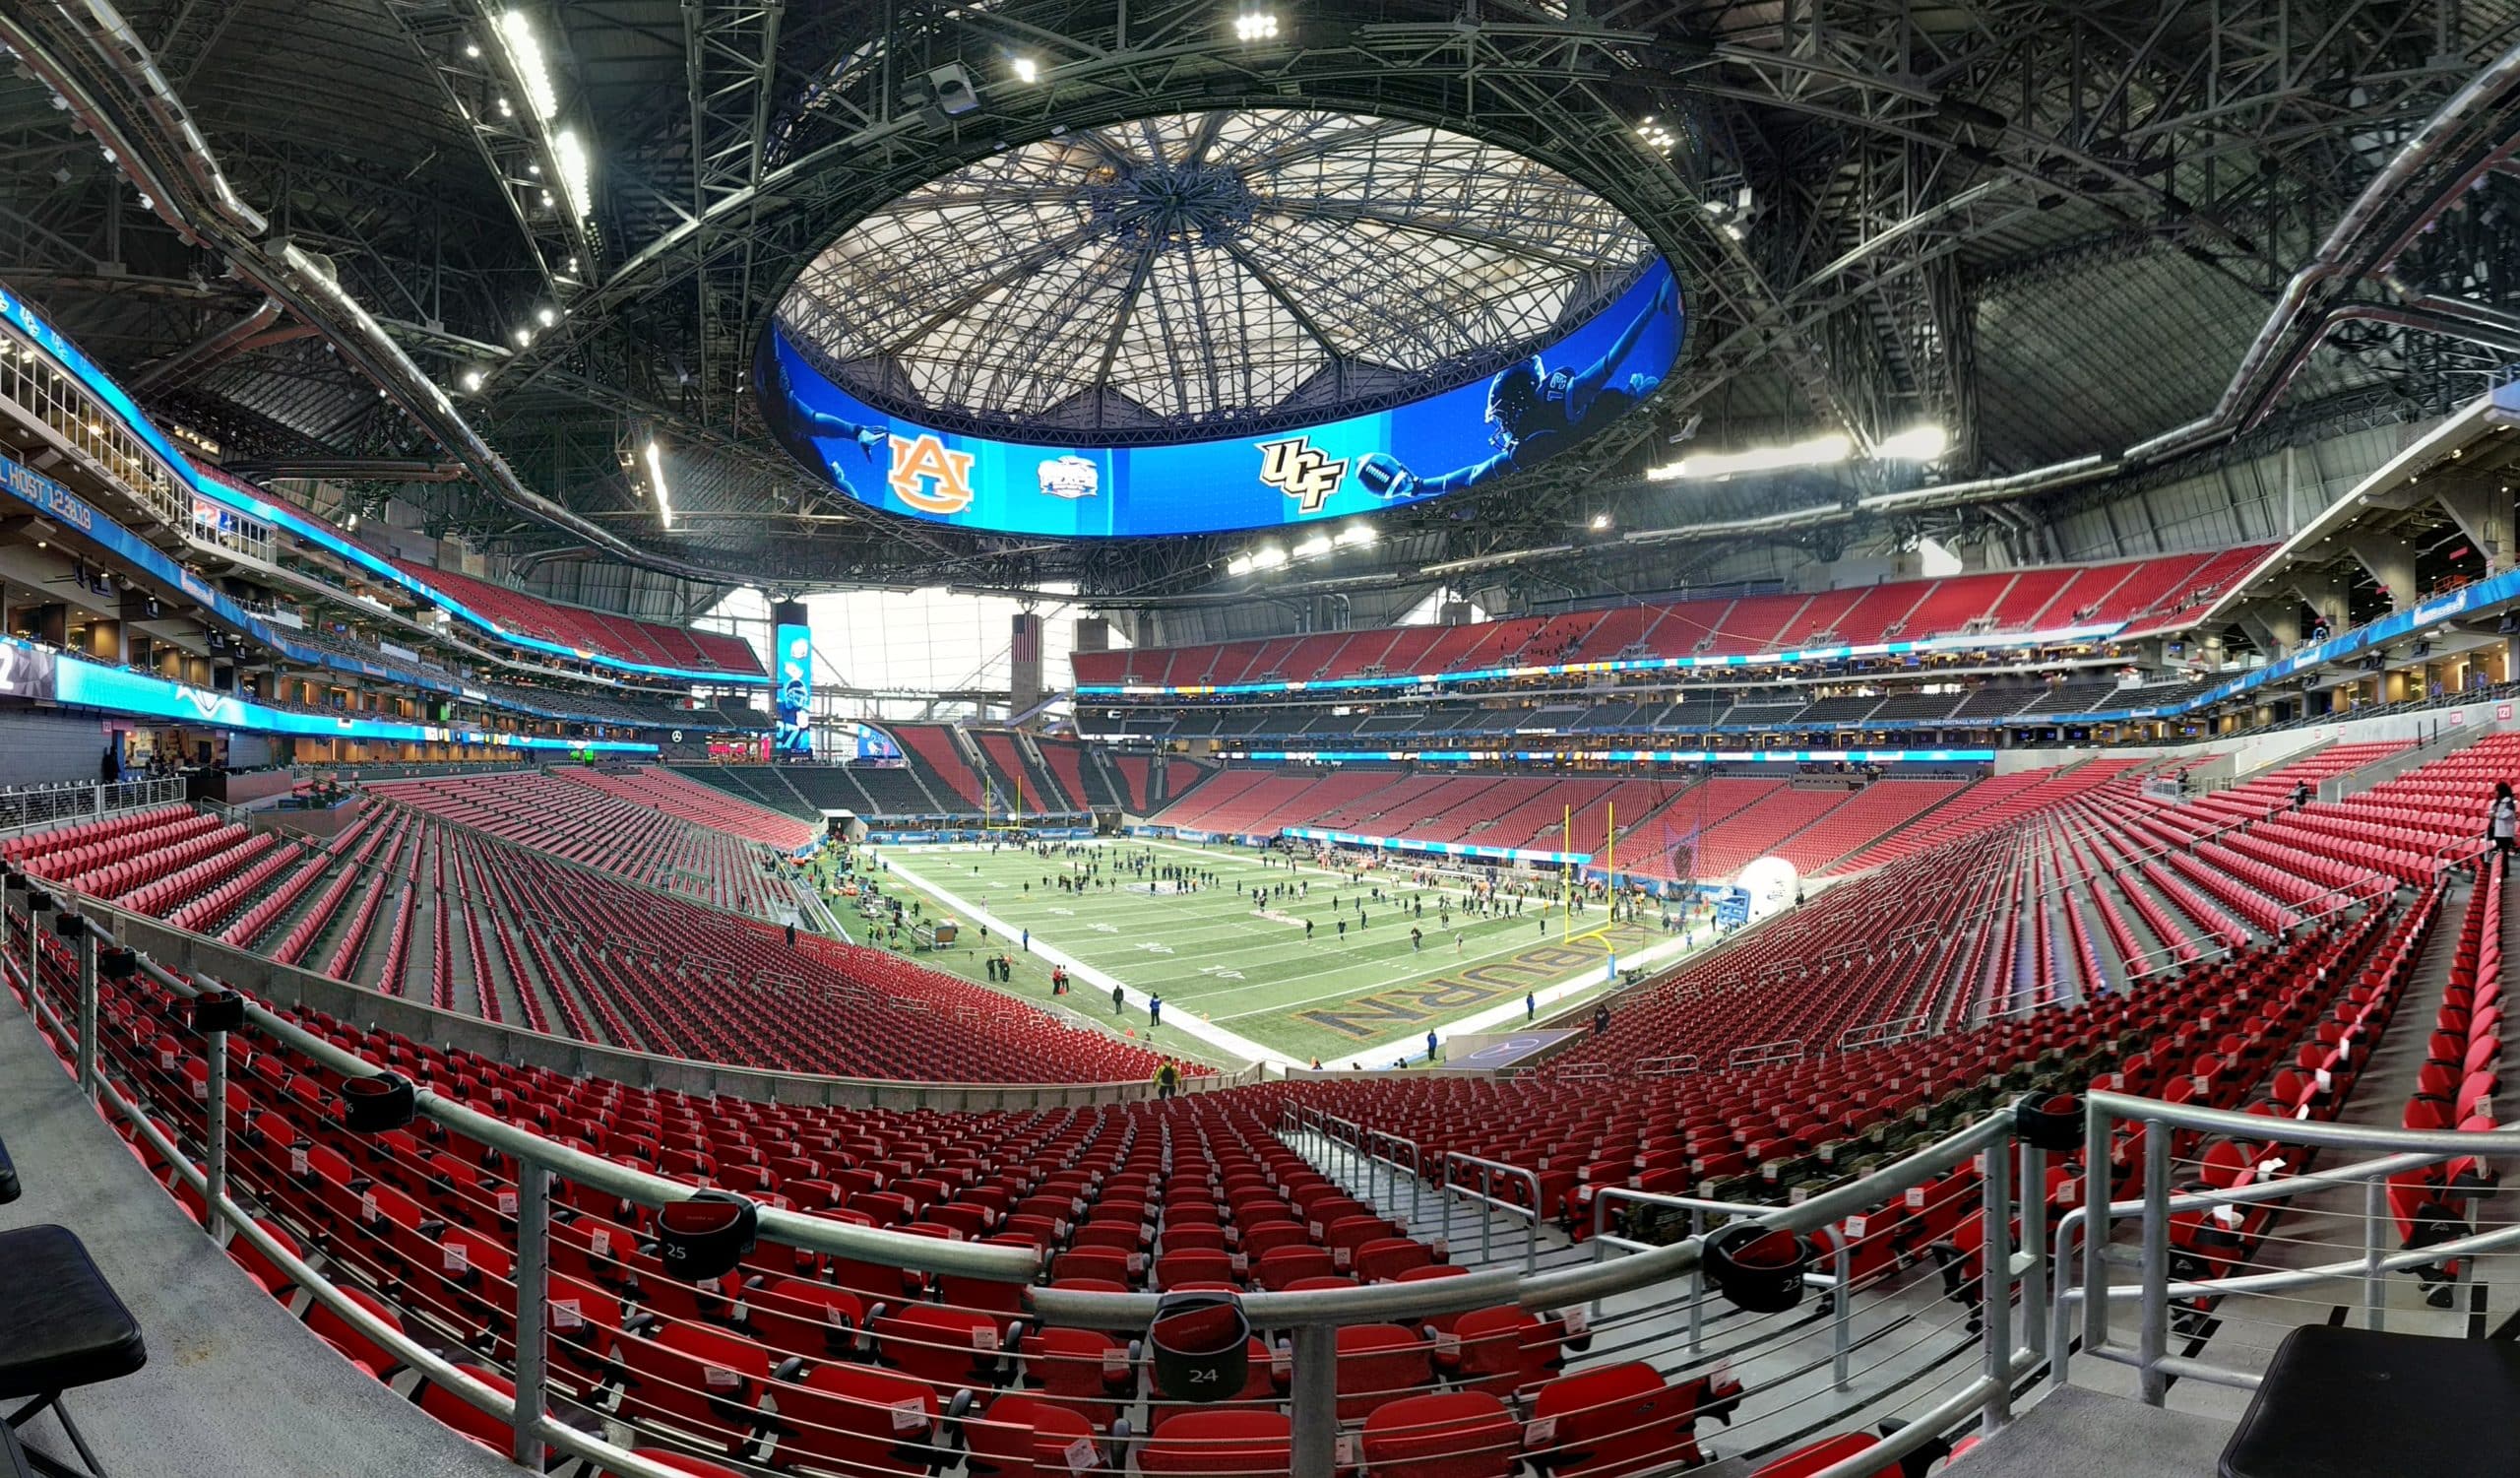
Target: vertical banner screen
[793,669]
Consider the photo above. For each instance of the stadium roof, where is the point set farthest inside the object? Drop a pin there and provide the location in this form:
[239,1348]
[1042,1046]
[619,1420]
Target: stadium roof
[1173,273]
[2054,230]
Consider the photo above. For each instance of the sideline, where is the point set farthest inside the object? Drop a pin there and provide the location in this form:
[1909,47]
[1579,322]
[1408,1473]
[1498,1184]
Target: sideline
[1188,1023]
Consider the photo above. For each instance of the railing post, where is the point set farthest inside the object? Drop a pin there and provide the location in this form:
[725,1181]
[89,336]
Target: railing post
[533,1290]
[2152,1339]
[83,943]
[215,1161]
[1487,1215]
[1995,1285]
[1840,1308]
[1314,1401]
[1697,1284]
[2098,1187]
[2375,1211]
[2034,1241]
[38,903]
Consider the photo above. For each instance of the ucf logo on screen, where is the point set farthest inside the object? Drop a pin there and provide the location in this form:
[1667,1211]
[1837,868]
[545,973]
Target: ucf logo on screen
[1302,471]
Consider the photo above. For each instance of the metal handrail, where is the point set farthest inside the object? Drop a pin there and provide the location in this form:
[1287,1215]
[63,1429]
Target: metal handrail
[1416,1159]
[1674,1065]
[1786,1051]
[1312,1315]
[1839,1281]
[1489,1172]
[1888,1030]
[2408,1149]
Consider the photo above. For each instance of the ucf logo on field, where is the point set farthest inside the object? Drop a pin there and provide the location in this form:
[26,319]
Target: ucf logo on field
[929,478]
[1302,471]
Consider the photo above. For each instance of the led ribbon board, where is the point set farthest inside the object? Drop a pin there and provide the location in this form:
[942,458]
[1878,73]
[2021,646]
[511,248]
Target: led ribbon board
[1340,469]
[218,490]
[80,683]
[792,665]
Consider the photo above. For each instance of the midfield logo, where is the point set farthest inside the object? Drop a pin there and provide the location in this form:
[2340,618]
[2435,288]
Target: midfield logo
[929,478]
[1295,467]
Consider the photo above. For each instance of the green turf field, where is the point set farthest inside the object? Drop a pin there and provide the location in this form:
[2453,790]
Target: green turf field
[1217,954]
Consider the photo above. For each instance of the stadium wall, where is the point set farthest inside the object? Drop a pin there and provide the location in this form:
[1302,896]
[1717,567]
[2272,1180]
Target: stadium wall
[42,746]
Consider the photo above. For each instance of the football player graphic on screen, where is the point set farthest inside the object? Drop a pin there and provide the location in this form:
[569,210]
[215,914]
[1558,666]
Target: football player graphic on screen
[1534,412]
[823,426]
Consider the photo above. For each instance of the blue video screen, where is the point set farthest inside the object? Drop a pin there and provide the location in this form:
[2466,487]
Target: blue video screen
[1520,417]
[792,665]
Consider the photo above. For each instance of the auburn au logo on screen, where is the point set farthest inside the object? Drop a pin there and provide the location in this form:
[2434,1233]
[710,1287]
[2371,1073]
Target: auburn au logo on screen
[930,477]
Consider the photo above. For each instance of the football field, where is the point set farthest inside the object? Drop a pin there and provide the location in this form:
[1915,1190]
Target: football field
[1249,966]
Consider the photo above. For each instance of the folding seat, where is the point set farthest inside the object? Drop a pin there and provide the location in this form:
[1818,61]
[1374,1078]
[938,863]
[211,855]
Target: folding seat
[1220,1442]
[1019,1436]
[463,1281]
[971,1221]
[1126,1235]
[1504,1349]
[1172,1269]
[805,1316]
[1827,1453]
[1099,1263]
[1280,1267]
[265,1272]
[584,1325]
[462,1417]
[1616,1419]
[1444,1435]
[1083,1370]
[697,1382]
[849,1419]
[1387,1258]
[355,1344]
[1380,1363]
[949,1348]
[1257,1241]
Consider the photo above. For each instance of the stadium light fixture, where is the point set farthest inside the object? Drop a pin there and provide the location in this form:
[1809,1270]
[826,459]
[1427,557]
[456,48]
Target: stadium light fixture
[1317,545]
[524,58]
[472,379]
[1601,521]
[1915,444]
[656,479]
[1819,451]
[1027,70]
[1255,26]
[1239,564]
[577,175]
[545,316]
[1268,557]
[1357,535]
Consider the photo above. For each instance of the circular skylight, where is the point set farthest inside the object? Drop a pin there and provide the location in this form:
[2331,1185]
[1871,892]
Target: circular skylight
[1180,275]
